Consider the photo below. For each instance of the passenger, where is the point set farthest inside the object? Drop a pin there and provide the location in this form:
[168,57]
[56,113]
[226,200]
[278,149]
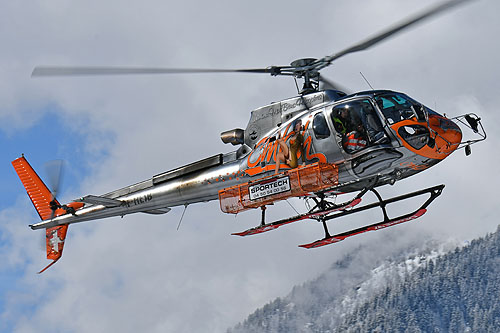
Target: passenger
[289,155]
[353,141]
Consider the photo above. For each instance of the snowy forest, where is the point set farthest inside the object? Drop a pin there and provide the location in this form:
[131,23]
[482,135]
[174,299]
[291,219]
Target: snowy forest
[443,290]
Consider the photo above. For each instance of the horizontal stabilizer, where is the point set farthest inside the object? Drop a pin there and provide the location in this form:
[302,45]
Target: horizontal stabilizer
[97,200]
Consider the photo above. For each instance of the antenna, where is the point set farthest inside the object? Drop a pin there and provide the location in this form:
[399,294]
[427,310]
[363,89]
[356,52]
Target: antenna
[184,211]
[366,81]
[297,85]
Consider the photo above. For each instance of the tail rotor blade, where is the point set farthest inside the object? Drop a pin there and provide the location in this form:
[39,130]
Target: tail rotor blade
[54,171]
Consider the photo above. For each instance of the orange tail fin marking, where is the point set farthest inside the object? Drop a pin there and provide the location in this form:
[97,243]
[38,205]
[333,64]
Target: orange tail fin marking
[38,192]
[41,197]
[55,238]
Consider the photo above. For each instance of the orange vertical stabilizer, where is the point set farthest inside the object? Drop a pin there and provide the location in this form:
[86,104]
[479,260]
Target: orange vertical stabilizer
[41,197]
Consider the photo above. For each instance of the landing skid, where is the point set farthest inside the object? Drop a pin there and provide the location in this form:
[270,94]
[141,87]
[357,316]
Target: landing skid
[324,211]
[376,226]
[314,213]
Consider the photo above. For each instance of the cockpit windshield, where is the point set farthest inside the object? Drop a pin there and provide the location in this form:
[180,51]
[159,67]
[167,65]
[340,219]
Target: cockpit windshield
[397,107]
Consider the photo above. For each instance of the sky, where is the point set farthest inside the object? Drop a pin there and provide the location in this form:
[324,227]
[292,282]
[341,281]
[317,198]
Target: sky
[139,272]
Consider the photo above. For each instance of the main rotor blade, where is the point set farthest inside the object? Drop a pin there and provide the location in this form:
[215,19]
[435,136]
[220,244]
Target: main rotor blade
[296,69]
[363,45]
[81,71]
[329,84]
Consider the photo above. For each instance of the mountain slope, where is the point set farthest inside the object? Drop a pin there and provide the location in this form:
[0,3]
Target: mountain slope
[429,292]
[457,292]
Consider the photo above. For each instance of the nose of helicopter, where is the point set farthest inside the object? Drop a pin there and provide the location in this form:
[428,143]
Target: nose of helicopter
[446,135]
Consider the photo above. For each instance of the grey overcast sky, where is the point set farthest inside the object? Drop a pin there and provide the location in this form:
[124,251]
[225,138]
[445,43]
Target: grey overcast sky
[140,274]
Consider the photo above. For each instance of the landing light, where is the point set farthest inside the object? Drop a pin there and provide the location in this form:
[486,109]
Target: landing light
[468,149]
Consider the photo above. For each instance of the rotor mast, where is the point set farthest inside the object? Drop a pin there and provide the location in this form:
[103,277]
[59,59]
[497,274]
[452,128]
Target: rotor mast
[303,70]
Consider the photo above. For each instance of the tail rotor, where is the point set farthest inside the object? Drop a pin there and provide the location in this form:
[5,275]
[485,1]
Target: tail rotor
[54,170]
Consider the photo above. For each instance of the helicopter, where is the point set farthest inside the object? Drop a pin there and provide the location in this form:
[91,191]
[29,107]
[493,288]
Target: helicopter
[318,145]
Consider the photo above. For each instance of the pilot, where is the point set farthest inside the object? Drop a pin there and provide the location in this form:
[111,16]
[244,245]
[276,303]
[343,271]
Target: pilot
[346,120]
[289,155]
[341,120]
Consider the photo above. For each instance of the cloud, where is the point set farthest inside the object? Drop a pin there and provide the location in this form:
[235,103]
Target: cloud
[139,273]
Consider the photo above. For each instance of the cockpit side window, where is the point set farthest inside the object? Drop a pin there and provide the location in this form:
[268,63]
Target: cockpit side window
[320,127]
[416,136]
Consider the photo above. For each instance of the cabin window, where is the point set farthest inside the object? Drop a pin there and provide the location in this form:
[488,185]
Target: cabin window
[320,127]
[359,125]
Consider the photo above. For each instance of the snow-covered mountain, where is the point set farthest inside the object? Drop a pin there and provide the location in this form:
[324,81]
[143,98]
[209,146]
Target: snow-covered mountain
[432,289]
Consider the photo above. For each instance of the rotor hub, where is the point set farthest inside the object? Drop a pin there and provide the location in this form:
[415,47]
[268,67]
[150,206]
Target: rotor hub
[302,62]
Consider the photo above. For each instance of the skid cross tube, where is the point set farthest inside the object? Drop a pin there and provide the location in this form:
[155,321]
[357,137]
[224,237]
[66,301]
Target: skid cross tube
[324,211]
[263,216]
[433,191]
[322,207]
[322,204]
